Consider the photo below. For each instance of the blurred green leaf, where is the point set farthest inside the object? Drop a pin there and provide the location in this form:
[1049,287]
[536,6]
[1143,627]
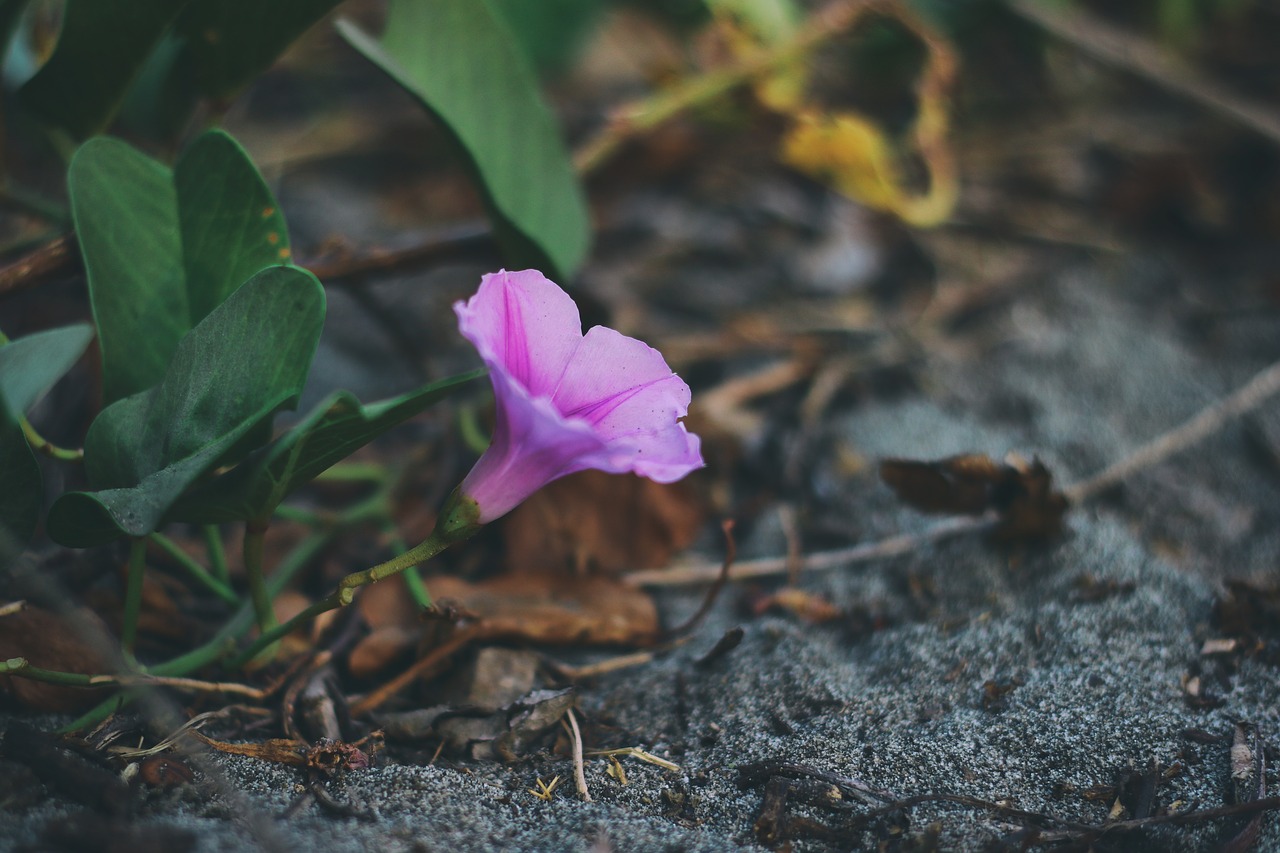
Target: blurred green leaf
[126,217]
[29,366]
[23,490]
[332,431]
[230,224]
[230,42]
[163,248]
[461,62]
[551,32]
[228,377]
[100,50]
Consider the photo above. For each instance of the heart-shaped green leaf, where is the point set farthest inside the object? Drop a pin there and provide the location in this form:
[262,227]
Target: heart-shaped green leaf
[460,61]
[162,248]
[230,42]
[126,217]
[29,366]
[333,430]
[99,52]
[229,375]
[230,224]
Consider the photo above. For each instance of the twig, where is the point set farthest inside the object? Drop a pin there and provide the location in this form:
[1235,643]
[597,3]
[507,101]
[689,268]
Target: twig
[730,551]
[46,262]
[374,700]
[823,560]
[469,240]
[637,752]
[1257,390]
[1116,47]
[579,771]
[604,667]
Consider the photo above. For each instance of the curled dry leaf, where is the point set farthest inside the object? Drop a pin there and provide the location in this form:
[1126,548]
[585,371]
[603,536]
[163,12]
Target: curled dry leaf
[591,521]
[1020,492]
[806,606]
[50,641]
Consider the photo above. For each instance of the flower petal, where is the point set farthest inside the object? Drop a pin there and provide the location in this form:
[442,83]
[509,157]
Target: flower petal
[532,445]
[625,390]
[524,323]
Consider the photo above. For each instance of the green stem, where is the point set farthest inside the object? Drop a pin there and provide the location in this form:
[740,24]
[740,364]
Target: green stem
[412,577]
[346,591]
[357,472]
[223,643]
[255,536]
[23,667]
[196,570]
[42,445]
[133,593]
[217,555]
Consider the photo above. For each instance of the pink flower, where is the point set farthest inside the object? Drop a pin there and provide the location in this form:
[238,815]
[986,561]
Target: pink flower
[566,401]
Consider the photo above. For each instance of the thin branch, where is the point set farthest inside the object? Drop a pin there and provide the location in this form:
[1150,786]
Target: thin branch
[894,546]
[1256,391]
[579,771]
[1125,50]
[56,258]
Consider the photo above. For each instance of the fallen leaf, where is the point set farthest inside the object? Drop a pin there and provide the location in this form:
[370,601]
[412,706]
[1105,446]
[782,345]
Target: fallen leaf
[380,648]
[596,522]
[553,608]
[806,606]
[50,641]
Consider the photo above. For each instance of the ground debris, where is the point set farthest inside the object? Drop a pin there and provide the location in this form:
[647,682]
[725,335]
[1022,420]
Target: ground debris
[482,733]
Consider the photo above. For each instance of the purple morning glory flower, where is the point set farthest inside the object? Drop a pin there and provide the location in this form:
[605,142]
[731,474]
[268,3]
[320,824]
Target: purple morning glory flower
[566,401]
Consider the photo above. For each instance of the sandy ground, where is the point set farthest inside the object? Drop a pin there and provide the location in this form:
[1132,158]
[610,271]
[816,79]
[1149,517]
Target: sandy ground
[1087,371]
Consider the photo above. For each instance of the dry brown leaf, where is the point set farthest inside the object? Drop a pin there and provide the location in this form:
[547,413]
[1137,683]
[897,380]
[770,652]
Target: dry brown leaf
[389,603]
[591,521]
[49,641]
[381,648]
[1020,492]
[554,608]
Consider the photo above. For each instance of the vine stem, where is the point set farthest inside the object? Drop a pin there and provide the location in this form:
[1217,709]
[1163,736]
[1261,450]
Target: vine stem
[133,593]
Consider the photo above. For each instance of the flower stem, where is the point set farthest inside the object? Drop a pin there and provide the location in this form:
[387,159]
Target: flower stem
[133,593]
[346,591]
[197,571]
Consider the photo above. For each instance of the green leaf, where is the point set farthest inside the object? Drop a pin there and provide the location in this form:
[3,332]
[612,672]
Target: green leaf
[100,50]
[163,248]
[331,432]
[551,32]
[228,377]
[126,217]
[462,63]
[230,224]
[230,42]
[23,491]
[29,366]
